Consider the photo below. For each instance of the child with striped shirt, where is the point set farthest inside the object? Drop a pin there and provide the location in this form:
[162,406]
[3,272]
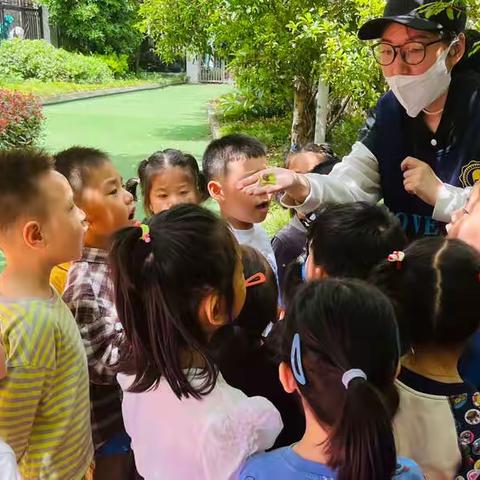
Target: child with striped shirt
[44,399]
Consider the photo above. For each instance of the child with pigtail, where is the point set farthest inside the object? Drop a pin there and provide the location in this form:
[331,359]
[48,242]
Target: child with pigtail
[435,287]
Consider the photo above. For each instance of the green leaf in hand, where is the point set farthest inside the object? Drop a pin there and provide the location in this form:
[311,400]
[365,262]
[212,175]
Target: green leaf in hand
[268,179]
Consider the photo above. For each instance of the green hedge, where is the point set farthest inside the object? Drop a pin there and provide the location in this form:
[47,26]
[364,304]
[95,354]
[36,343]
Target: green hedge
[38,59]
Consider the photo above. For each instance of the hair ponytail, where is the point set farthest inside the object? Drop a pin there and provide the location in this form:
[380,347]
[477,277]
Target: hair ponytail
[334,327]
[362,445]
[161,274]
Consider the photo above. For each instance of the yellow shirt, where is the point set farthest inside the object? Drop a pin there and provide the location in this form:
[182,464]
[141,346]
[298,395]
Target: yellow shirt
[44,400]
[59,276]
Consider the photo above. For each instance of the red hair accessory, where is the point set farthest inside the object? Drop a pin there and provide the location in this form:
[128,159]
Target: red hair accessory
[397,257]
[255,280]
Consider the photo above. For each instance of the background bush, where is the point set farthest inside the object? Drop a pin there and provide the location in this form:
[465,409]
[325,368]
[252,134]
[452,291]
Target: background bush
[24,59]
[118,64]
[20,119]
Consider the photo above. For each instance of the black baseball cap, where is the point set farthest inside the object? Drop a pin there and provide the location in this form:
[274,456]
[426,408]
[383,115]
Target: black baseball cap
[406,13]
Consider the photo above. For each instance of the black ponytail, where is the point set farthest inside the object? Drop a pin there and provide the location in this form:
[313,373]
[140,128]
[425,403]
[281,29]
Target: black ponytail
[362,444]
[161,274]
[344,325]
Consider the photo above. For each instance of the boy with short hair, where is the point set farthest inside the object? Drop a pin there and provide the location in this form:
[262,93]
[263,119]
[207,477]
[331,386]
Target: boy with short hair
[349,240]
[225,162]
[98,190]
[44,399]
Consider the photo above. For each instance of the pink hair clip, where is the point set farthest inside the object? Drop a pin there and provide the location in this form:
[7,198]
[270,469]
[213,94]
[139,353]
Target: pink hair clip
[255,280]
[145,232]
[397,257]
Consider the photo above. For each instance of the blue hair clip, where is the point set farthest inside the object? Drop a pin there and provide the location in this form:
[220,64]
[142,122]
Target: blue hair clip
[296,361]
[304,271]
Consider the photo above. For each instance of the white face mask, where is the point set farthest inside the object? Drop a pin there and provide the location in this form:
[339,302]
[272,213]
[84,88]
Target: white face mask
[416,92]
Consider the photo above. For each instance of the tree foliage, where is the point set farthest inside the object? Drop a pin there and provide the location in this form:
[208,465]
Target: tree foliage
[272,45]
[99,26]
[278,49]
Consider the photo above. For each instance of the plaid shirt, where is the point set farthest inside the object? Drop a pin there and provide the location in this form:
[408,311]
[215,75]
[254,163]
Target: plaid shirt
[89,295]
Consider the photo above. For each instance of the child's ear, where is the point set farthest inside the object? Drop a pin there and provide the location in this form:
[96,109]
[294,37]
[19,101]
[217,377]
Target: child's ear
[319,273]
[286,378]
[33,236]
[215,190]
[212,313]
[316,272]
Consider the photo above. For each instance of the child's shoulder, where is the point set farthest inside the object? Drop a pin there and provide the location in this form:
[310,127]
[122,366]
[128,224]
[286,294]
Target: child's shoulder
[243,412]
[407,469]
[85,281]
[265,465]
[32,326]
[248,424]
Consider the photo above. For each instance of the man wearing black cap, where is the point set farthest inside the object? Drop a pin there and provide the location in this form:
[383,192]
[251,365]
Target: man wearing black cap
[420,148]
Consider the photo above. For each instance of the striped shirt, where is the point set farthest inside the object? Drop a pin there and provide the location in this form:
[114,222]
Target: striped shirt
[90,297]
[44,400]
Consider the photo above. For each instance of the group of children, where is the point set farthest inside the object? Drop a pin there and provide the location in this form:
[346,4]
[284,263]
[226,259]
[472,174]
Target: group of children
[187,345]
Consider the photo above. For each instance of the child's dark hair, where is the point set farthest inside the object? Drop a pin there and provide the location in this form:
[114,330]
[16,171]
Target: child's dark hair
[76,163]
[244,334]
[166,159]
[345,324]
[230,148]
[435,290]
[292,280]
[261,303]
[349,240]
[159,287]
[20,172]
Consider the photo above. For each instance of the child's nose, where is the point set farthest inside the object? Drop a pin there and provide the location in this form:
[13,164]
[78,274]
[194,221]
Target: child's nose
[83,215]
[129,197]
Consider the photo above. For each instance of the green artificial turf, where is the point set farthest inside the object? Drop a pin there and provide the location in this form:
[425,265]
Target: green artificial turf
[131,126]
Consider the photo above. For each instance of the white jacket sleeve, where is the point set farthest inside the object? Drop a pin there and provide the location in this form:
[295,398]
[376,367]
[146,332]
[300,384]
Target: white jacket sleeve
[8,464]
[356,178]
[450,199]
[230,440]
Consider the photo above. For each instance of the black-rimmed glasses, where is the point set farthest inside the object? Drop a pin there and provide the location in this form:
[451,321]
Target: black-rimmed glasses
[412,53]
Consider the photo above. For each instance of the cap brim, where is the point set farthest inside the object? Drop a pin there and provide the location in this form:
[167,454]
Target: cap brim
[374,29]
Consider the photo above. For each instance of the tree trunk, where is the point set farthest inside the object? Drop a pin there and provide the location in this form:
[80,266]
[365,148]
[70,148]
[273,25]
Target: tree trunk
[303,124]
[322,112]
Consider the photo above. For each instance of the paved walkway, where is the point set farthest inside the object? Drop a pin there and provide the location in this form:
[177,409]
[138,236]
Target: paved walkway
[132,126]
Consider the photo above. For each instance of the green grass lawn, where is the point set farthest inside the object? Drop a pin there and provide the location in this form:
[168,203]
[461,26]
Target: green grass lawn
[132,126]
[129,127]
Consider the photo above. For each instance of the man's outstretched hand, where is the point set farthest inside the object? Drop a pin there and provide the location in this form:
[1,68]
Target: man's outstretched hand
[275,180]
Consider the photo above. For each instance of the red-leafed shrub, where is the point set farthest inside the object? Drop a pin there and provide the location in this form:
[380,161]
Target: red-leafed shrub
[20,119]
